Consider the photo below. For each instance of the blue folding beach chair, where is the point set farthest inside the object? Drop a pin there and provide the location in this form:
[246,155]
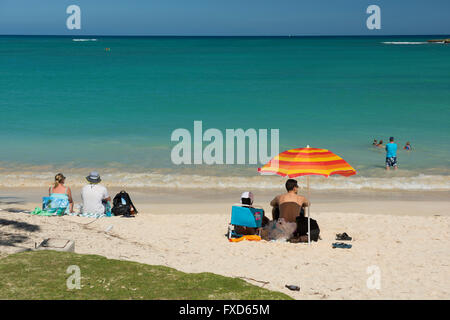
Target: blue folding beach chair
[244,217]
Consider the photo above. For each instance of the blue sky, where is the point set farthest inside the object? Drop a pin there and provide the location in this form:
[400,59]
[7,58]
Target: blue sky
[224,17]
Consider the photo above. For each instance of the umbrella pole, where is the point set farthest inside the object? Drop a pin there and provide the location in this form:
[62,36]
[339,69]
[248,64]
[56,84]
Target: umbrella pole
[309,225]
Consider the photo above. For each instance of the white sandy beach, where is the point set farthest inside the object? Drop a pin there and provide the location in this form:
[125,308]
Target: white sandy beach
[408,240]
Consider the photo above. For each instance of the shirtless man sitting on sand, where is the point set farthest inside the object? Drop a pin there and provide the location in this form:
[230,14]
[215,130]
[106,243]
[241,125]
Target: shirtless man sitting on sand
[290,196]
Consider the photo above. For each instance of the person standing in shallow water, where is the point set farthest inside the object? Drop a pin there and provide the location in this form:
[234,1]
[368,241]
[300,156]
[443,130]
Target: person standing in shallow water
[391,154]
[59,190]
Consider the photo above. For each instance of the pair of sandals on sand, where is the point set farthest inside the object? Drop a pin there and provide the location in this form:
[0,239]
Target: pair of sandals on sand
[342,237]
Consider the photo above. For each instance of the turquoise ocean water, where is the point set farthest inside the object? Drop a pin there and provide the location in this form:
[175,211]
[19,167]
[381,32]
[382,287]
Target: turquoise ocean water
[72,106]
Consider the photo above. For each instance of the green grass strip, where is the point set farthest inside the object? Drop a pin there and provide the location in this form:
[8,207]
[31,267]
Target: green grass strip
[43,275]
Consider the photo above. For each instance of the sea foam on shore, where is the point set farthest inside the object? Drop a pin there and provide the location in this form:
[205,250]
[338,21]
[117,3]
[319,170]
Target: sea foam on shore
[196,181]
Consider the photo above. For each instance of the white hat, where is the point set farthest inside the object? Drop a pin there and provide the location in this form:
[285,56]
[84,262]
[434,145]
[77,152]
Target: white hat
[247,195]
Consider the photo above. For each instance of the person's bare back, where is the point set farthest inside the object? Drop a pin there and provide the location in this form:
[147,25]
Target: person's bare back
[293,203]
[289,197]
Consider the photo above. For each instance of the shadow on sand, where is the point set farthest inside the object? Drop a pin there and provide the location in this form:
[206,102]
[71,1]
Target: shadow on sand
[11,200]
[12,239]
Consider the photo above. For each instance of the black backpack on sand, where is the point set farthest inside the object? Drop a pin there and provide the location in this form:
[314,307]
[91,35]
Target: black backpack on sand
[302,227]
[122,204]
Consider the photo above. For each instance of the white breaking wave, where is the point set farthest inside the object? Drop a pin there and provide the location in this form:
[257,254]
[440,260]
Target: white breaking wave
[403,42]
[185,181]
[84,40]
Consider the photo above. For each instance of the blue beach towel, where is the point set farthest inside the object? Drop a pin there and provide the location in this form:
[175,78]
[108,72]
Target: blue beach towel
[56,203]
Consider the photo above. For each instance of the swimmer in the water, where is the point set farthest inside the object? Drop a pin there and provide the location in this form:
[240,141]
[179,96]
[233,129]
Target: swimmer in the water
[375,142]
[380,144]
[407,146]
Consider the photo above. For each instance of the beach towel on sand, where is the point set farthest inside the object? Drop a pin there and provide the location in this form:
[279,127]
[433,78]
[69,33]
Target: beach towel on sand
[56,203]
[39,212]
[248,237]
[93,215]
[88,215]
[46,213]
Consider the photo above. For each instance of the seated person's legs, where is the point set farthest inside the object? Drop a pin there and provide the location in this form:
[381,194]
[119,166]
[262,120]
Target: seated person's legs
[245,230]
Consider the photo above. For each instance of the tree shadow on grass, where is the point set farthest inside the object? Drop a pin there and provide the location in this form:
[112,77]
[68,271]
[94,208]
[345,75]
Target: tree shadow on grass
[12,239]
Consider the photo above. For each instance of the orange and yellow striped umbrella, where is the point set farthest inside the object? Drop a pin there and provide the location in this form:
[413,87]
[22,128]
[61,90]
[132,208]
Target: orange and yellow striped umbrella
[307,161]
